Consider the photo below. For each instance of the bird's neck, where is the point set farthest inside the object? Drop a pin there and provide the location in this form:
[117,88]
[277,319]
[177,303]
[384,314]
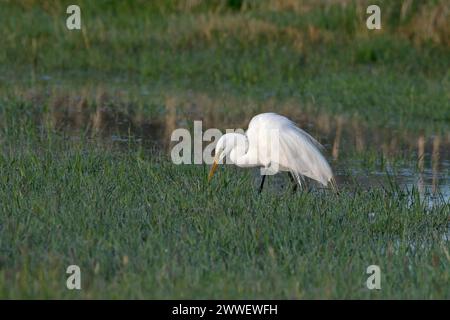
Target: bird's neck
[244,156]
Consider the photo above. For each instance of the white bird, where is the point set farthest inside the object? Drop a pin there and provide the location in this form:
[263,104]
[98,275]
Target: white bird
[276,144]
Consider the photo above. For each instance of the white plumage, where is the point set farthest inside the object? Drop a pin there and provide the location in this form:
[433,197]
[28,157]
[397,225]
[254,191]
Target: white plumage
[274,141]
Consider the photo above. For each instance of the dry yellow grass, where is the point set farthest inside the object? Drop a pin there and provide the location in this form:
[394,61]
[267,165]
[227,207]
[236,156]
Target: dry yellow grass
[209,28]
[432,23]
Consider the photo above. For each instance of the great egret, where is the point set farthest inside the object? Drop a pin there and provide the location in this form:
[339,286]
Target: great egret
[293,150]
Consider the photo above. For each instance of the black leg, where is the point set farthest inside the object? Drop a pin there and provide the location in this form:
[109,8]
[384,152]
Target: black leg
[294,181]
[263,178]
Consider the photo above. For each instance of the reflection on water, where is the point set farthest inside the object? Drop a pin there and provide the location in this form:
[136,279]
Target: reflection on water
[369,157]
[427,171]
[360,156]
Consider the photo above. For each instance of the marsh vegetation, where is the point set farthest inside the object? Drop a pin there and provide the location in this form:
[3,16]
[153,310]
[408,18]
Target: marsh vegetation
[86,177]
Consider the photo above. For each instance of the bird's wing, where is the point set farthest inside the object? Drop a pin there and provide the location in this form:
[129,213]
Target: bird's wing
[301,155]
[298,153]
[271,120]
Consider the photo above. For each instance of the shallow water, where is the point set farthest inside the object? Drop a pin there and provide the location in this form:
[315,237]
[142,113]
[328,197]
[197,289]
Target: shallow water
[360,156]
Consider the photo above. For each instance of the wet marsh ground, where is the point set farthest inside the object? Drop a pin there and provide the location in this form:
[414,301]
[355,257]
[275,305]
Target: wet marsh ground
[86,177]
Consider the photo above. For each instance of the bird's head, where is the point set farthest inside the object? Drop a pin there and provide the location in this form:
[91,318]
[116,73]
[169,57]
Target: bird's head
[225,145]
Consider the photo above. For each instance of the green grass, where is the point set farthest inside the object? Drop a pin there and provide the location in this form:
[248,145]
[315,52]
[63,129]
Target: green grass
[141,227]
[321,55]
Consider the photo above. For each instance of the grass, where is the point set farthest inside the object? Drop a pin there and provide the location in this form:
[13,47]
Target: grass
[142,227]
[321,55]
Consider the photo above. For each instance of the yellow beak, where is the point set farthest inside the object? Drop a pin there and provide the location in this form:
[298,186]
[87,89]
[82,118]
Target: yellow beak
[213,169]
